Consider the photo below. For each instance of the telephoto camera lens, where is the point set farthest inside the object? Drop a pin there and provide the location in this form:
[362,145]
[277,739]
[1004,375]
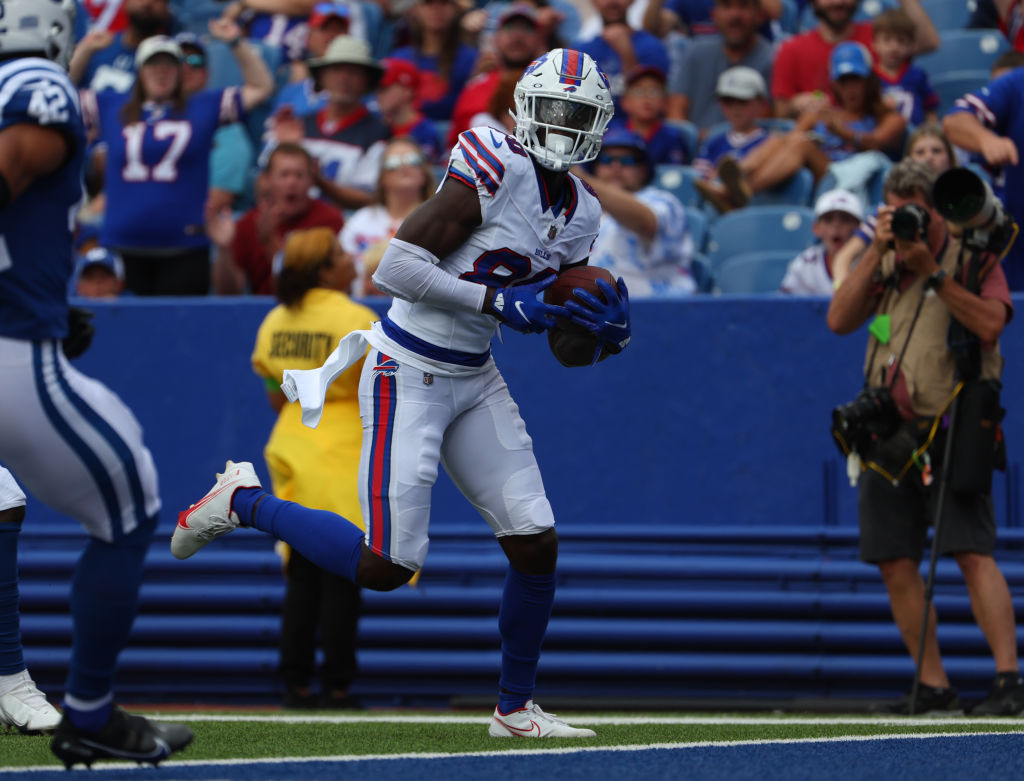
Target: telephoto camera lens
[910,222]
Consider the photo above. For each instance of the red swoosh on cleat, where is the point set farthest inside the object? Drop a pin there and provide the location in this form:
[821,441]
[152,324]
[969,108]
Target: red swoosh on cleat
[534,727]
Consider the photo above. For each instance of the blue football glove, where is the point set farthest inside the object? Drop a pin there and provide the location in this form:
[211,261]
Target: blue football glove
[519,307]
[608,322]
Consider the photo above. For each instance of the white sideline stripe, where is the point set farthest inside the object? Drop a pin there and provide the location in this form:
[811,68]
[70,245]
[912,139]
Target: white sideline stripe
[517,752]
[393,718]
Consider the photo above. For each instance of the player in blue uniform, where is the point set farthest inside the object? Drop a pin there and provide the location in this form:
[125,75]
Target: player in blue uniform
[991,121]
[70,441]
[507,218]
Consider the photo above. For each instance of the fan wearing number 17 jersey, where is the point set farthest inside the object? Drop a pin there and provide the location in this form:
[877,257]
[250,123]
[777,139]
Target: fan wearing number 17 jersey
[157,168]
[67,438]
[506,220]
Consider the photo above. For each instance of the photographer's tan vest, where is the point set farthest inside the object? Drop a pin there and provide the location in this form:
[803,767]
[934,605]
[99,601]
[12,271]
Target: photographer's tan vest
[927,366]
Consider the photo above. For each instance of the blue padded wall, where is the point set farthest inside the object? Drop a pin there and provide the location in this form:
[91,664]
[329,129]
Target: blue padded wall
[708,533]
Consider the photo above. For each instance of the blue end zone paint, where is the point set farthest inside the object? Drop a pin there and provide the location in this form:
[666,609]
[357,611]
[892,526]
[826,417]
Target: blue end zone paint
[937,759]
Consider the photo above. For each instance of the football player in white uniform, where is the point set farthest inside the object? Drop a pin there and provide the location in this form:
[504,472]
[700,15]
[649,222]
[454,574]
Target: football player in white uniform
[506,219]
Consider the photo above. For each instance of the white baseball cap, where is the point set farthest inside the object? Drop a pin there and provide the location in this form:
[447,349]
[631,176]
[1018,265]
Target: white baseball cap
[839,201]
[154,45]
[742,83]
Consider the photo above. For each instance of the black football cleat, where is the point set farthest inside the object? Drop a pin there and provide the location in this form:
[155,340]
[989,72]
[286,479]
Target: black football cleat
[124,736]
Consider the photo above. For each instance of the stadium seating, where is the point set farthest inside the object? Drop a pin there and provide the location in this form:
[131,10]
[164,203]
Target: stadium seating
[866,11]
[697,224]
[964,50]
[700,269]
[948,15]
[752,272]
[955,84]
[757,228]
[690,135]
[795,191]
[678,180]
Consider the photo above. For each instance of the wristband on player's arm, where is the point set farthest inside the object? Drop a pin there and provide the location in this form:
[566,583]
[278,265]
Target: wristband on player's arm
[410,272]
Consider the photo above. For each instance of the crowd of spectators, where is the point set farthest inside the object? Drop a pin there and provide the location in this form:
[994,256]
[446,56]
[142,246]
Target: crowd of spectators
[219,129]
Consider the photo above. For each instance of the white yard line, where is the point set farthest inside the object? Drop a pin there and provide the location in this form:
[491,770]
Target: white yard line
[579,718]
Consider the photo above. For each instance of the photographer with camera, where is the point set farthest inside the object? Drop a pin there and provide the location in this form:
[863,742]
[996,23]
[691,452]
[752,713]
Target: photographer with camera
[937,303]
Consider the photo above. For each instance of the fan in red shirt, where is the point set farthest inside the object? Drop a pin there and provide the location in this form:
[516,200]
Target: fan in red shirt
[800,73]
[518,41]
[246,249]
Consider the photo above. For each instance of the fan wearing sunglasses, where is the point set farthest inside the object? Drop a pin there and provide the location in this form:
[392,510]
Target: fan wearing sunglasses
[645,237]
[406,180]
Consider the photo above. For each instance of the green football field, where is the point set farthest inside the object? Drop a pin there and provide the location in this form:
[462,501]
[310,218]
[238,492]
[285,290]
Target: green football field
[242,735]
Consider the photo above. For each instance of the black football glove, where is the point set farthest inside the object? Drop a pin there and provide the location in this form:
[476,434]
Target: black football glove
[80,332]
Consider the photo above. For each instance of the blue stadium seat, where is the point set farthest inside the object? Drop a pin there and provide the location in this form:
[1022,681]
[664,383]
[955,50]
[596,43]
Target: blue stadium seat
[874,188]
[758,228]
[678,180]
[796,191]
[956,84]
[948,14]
[752,272]
[697,224]
[700,269]
[964,50]
[691,135]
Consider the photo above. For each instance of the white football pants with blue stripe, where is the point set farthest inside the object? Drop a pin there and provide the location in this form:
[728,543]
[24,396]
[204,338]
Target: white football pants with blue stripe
[72,443]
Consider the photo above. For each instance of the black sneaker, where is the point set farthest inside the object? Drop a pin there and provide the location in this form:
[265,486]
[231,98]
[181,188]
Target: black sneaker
[123,737]
[1005,698]
[930,701]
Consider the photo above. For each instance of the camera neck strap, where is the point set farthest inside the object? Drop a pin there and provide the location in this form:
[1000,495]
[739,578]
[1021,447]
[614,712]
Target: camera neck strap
[892,284]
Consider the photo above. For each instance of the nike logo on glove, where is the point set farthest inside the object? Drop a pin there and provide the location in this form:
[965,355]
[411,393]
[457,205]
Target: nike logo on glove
[623,324]
[519,309]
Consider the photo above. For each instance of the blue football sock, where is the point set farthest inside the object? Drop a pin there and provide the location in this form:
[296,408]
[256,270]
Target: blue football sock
[327,539]
[88,715]
[523,619]
[104,598]
[11,660]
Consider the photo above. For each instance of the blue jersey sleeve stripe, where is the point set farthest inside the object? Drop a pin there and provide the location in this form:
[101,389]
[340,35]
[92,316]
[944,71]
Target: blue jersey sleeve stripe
[485,177]
[486,154]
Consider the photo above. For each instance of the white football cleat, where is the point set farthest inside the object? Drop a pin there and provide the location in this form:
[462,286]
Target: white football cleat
[531,722]
[212,516]
[25,708]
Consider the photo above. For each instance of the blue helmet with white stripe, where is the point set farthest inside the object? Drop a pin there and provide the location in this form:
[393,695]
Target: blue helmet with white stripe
[43,27]
[563,105]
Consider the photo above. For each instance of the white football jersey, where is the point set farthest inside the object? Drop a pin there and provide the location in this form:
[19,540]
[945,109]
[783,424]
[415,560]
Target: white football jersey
[522,237]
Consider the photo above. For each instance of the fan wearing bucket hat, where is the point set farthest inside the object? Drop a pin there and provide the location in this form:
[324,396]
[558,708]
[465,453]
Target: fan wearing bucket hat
[644,238]
[860,121]
[800,75]
[327,21]
[346,140]
[837,213]
[103,60]
[158,142]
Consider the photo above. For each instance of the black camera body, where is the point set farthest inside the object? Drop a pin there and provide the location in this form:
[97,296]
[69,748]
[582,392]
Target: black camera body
[910,222]
[868,419]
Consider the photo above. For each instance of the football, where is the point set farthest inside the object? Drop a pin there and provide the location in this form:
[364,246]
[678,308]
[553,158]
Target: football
[572,344]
